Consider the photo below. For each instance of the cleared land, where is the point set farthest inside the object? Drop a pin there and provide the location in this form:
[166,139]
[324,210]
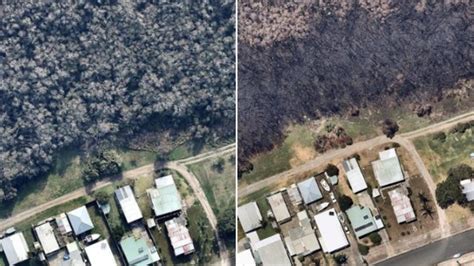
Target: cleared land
[217,178]
[439,156]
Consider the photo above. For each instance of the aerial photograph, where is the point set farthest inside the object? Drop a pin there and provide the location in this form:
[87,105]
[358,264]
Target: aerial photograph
[355,132]
[117,132]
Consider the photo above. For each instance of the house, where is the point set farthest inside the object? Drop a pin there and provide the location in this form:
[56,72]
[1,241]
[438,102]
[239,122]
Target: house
[278,205]
[332,234]
[128,204]
[249,216]
[401,205]
[75,257]
[63,224]
[362,220]
[309,191]
[468,188]
[15,248]
[354,175]
[100,254]
[137,252]
[46,237]
[387,169]
[245,258]
[271,251]
[165,197]
[294,195]
[302,240]
[179,236]
[80,220]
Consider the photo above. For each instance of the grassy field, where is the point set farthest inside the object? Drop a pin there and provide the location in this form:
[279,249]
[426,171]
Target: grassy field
[439,156]
[218,184]
[296,148]
[67,170]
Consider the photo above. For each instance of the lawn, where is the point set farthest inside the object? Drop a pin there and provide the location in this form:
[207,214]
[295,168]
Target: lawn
[218,182]
[440,156]
[295,149]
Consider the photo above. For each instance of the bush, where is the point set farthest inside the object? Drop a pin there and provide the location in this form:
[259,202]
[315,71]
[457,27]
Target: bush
[102,197]
[440,136]
[363,249]
[340,259]
[345,202]
[389,128]
[101,165]
[375,238]
[331,170]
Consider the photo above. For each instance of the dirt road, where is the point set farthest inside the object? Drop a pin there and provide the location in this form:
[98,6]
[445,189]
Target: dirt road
[247,189]
[178,166]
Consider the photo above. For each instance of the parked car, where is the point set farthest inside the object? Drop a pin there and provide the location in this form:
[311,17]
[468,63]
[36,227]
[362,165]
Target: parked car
[333,198]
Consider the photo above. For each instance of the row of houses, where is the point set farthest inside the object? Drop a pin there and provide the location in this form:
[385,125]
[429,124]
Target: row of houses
[137,249]
[302,240]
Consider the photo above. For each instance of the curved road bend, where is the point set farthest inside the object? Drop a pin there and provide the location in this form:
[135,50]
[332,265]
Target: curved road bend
[435,252]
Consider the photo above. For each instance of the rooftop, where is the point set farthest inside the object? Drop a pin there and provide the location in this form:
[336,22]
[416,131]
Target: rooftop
[245,258]
[100,254]
[249,216]
[165,198]
[128,204]
[80,220]
[302,240]
[354,175]
[179,236]
[401,205]
[294,195]
[137,252]
[468,189]
[362,220]
[271,251]
[278,205]
[332,234]
[387,169]
[309,190]
[63,224]
[47,238]
[15,248]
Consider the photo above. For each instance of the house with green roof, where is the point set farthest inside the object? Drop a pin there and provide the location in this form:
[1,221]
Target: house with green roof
[165,198]
[362,220]
[137,252]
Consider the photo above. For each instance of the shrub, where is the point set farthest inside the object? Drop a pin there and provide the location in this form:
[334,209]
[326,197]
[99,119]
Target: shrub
[331,170]
[363,249]
[440,136]
[389,128]
[375,238]
[345,202]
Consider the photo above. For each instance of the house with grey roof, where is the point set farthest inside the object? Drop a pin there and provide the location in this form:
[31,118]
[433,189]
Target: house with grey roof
[388,169]
[362,220]
[249,216]
[278,206]
[15,248]
[128,204]
[301,240]
[354,175]
[271,251]
[80,220]
[309,190]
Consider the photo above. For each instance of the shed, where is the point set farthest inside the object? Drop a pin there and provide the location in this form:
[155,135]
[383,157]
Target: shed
[80,220]
[15,248]
[278,205]
[249,216]
[294,195]
[309,190]
[179,236]
[128,204]
[47,238]
[63,224]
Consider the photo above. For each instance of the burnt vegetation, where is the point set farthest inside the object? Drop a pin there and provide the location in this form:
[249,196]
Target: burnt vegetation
[351,55]
[80,74]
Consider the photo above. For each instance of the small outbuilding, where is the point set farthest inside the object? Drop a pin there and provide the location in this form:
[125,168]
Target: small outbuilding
[401,205]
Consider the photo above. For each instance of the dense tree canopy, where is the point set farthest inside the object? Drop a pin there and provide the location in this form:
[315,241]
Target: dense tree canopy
[77,74]
[307,59]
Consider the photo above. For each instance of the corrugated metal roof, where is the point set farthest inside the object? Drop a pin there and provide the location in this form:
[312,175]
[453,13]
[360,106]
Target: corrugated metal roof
[309,190]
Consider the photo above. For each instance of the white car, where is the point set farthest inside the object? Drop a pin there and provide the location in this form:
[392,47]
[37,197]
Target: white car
[455,256]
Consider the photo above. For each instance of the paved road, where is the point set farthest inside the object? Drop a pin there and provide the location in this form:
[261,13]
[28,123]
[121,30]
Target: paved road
[435,252]
[247,189]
